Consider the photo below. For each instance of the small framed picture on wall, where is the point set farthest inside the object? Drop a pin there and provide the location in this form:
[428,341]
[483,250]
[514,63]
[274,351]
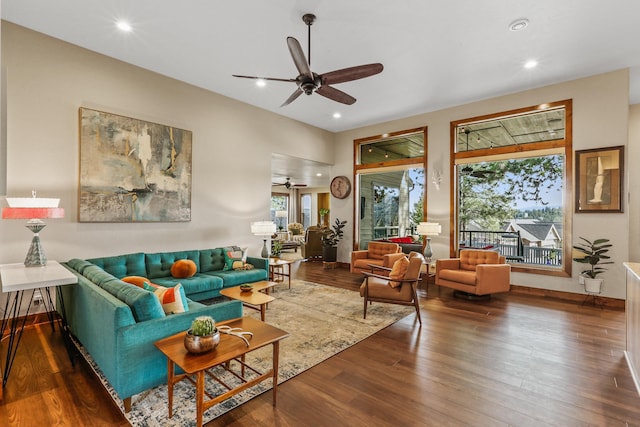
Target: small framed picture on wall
[599,178]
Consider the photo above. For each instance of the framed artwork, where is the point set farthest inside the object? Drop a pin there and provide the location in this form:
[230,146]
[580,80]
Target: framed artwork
[599,174]
[132,170]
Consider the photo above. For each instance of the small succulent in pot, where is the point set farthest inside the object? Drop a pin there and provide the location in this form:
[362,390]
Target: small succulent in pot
[203,326]
[203,336]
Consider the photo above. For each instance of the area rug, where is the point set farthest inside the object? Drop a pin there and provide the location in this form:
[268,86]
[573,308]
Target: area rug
[321,320]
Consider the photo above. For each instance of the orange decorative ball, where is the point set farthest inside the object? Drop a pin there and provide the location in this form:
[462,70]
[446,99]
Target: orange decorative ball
[183,268]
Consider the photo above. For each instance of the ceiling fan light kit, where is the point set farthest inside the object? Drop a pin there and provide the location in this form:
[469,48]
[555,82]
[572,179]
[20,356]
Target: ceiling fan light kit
[309,82]
[288,184]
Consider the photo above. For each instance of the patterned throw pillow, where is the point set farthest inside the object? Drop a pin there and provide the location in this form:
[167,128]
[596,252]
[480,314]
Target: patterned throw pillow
[183,268]
[235,258]
[170,298]
[136,280]
[398,271]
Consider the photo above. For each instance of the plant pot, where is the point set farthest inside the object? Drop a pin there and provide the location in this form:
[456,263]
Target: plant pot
[593,286]
[329,253]
[201,344]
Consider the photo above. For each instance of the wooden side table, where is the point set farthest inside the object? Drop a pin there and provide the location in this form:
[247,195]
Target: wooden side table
[276,270]
[16,279]
[230,348]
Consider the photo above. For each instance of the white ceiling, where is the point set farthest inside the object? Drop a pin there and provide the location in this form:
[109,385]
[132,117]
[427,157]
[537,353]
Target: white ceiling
[435,54]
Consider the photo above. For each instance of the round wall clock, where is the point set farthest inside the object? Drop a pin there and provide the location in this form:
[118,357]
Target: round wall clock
[340,187]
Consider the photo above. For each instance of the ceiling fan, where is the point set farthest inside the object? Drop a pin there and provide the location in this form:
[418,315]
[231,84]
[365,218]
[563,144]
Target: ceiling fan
[288,184]
[309,82]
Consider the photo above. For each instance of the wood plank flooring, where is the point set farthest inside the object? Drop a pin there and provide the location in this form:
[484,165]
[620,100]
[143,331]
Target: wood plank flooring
[516,360]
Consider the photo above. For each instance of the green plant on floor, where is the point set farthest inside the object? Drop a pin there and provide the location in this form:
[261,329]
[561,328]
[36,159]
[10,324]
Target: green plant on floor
[331,237]
[594,252]
[203,326]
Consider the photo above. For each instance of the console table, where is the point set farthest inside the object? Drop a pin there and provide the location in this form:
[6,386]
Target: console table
[15,280]
[632,353]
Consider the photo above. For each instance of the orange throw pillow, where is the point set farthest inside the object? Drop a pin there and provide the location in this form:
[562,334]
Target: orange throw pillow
[398,271]
[135,280]
[183,268]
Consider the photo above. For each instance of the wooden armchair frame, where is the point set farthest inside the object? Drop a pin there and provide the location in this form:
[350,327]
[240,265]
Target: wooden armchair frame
[411,281]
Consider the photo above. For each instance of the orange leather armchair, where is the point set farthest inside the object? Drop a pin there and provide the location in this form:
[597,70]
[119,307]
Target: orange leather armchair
[476,272]
[361,261]
[377,288]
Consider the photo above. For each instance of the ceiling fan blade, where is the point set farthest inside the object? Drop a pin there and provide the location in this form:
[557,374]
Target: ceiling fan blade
[335,95]
[298,57]
[275,79]
[292,98]
[351,73]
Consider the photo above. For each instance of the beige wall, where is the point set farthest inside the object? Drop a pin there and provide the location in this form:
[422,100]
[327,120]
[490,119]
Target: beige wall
[600,119]
[48,80]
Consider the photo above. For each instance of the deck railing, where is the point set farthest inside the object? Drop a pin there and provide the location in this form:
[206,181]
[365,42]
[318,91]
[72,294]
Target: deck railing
[510,245]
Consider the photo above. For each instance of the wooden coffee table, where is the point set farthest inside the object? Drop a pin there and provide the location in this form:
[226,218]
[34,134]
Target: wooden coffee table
[230,348]
[255,299]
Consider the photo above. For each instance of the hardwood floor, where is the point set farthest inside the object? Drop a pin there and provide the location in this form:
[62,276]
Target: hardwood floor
[516,360]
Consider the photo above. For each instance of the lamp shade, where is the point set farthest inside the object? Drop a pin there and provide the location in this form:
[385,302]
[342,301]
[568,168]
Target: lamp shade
[263,228]
[429,229]
[281,214]
[32,213]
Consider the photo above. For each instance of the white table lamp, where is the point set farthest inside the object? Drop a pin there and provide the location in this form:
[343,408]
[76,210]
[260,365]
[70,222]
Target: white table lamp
[34,210]
[428,229]
[263,229]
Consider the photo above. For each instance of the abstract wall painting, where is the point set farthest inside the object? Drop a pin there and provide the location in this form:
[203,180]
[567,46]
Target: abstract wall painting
[132,170]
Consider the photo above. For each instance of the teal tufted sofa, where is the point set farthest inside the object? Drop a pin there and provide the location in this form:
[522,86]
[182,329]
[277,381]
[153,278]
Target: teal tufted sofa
[117,323]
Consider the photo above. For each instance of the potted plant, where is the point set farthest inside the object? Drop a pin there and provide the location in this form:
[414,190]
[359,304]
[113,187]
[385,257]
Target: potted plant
[323,213]
[203,336]
[276,248]
[330,239]
[594,254]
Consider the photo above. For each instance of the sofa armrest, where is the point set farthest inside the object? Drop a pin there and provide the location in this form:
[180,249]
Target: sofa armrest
[359,255]
[492,278]
[447,264]
[262,263]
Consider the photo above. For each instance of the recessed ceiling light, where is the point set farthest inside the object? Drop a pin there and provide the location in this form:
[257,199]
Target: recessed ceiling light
[261,82]
[337,115]
[519,24]
[532,63]
[123,26]
[318,174]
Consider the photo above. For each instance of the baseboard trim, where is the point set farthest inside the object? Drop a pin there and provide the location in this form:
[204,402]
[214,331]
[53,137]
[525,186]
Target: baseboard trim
[604,302]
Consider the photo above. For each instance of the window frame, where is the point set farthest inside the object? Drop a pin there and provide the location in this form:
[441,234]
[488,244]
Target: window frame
[385,166]
[513,151]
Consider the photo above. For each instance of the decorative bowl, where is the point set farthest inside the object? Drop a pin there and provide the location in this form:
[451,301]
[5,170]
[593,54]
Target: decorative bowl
[201,344]
[246,288]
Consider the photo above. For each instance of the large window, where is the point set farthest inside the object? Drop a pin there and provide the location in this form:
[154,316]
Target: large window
[305,210]
[280,210]
[390,185]
[512,186]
